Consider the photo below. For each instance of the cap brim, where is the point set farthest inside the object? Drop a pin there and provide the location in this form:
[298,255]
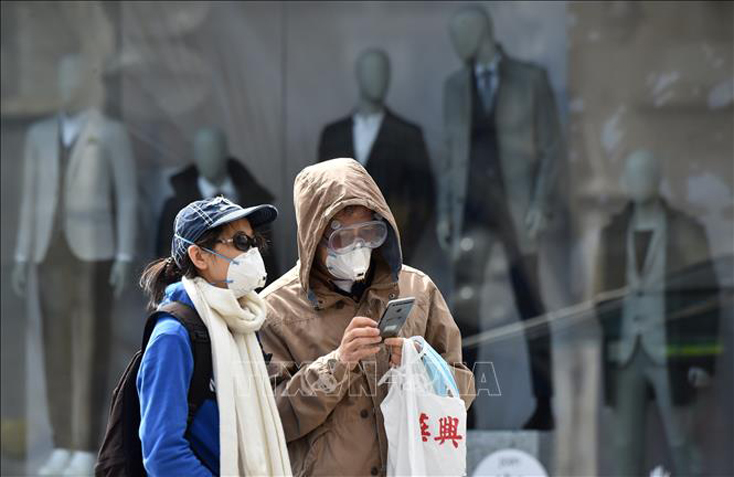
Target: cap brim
[258,215]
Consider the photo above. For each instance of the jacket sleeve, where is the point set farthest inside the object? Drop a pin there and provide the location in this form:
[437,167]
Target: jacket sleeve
[698,289]
[445,338]
[305,393]
[549,143]
[419,192]
[163,383]
[324,149]
[123,170]
[22,246]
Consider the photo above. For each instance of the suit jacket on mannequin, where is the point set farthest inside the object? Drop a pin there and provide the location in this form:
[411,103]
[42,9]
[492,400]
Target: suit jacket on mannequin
[530,144]
[186,190]
[99,179]
[399,164]
[691,334]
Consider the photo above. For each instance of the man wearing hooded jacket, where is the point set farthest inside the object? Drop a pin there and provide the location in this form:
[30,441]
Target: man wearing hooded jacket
[321,328]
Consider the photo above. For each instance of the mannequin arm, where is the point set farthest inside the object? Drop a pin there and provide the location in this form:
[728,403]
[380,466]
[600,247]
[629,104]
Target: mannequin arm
[118,276]
[549,143]
[123,169]
[445,174]
[27,206]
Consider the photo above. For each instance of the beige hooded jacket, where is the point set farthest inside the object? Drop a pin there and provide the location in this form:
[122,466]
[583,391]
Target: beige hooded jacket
[331,416]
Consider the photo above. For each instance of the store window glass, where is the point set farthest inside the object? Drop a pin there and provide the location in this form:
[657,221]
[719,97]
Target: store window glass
[562,171]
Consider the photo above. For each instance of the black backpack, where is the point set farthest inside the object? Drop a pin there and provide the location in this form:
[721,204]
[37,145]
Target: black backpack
[121,454]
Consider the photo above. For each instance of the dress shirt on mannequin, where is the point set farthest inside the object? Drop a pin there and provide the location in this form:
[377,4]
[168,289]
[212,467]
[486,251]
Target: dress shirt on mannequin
[366,127]
[225,188]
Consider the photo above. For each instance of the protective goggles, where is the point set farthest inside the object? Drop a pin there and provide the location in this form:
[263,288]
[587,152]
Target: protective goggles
[367,234]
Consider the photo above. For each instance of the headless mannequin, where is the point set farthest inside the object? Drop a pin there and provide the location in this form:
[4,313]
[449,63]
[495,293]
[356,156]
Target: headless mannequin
[210,156]
[80,269]
[73,103]
[472,35]
[214,172]
[391,148]
[643,242]
[373,79]
[641,181]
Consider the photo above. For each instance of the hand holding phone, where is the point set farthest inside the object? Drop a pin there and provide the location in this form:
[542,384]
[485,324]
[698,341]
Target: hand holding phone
[360,340]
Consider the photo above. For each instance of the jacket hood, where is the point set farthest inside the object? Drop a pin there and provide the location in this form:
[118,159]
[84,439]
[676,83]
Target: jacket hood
[320,192]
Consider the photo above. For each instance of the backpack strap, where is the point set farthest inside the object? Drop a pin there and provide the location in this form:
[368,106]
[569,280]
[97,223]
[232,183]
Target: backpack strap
[201,349]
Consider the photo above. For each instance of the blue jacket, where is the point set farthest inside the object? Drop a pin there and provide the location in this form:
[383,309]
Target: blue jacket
[163,386]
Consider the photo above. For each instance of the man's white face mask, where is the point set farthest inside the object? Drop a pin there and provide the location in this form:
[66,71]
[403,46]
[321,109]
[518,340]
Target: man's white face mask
[351,266]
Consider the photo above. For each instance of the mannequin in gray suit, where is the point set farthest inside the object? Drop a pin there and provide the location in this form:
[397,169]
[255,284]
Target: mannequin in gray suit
[504,143]
[663,335]
[78,169]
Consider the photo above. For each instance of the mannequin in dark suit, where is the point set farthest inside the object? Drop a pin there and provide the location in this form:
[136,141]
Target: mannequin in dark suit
[393,151]
[214,173]
[498,183]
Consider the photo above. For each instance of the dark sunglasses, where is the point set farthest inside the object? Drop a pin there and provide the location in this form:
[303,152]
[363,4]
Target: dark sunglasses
[244,242]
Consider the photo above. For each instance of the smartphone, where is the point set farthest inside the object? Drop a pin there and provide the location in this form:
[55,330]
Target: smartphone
[395,316]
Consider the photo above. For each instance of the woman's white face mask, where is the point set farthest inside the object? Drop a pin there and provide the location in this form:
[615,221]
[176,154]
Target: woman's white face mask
[246,272]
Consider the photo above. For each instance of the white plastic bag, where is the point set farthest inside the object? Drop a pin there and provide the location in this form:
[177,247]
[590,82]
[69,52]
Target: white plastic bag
[426,432]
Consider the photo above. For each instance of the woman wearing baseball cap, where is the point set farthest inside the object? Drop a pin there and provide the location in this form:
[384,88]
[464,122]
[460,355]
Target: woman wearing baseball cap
[214,268]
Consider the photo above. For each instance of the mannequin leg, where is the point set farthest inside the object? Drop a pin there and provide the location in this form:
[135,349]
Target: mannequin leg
[57,288]
[677,422]
[629,416]
[468,285]
[524,276]
[92,343]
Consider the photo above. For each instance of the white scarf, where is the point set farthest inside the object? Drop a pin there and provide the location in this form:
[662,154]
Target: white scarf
[251,437]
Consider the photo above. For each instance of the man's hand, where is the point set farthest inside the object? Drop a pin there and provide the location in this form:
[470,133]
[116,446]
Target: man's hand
[359,341]
[118,276]
[395,347]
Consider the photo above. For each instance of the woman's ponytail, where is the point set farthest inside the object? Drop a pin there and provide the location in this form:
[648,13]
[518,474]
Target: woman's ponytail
[156,277]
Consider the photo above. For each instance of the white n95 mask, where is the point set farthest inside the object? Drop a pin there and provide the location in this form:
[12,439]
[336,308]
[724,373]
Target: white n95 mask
[351,266]
[246,272]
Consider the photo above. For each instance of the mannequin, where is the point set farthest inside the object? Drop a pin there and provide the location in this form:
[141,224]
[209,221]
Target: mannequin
[662,257]
[76,164]
[504,143]
[214,172]
[391,149]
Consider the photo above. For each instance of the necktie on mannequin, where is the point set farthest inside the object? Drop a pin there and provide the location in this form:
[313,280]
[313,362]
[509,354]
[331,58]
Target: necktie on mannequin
[485,86]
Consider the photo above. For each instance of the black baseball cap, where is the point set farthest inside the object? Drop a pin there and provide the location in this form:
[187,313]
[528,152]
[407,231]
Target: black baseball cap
[202,215]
